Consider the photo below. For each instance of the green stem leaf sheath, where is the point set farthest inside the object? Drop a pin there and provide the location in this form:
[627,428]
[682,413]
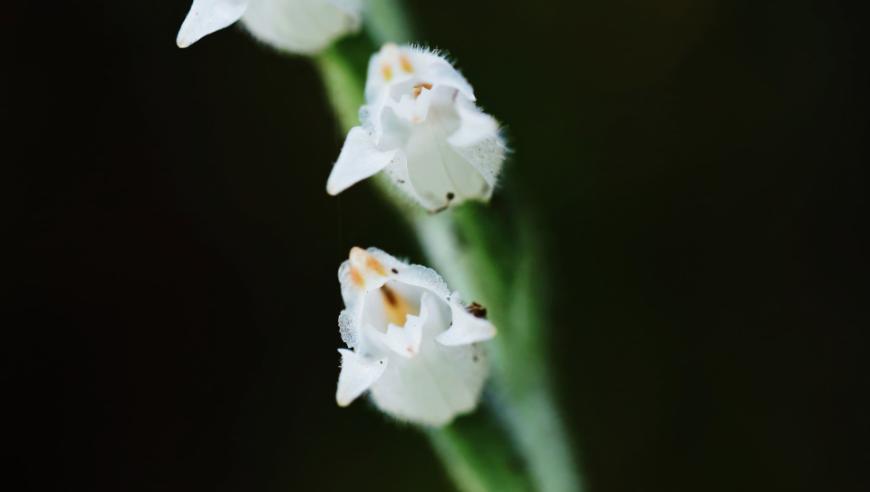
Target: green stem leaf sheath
[520,442]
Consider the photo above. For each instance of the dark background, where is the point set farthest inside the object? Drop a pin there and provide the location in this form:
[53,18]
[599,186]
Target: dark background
[170,296]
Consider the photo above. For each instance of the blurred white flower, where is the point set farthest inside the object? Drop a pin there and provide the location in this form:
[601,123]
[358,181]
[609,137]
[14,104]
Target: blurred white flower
[412,343]
[420,125]
[296,26]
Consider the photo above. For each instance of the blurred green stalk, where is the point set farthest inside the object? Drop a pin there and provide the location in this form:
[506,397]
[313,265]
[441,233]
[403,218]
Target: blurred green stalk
[520,442]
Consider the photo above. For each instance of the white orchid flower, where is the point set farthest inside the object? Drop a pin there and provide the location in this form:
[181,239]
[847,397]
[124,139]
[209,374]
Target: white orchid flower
[412,344]
[296,26]
[421,126]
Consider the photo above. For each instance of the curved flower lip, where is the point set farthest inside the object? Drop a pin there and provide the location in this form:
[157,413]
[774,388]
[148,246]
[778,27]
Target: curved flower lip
[295,26]
[421,127]
[411,342]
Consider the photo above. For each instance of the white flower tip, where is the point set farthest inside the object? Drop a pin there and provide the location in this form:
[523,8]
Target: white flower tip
[182,42]
[342,401]
[332,188]
[208,16]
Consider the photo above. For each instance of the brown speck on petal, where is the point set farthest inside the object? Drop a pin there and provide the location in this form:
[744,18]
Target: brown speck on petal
[476,310]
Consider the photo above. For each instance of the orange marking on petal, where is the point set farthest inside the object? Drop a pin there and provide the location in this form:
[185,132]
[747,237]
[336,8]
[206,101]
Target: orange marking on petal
[405,63]
[356,277]
[387,72]
[396,307]
[374,264]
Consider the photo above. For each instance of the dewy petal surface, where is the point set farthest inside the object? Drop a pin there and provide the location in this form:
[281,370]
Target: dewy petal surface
[208,16]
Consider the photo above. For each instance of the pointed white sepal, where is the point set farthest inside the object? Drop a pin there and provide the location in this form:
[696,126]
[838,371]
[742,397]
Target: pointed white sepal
[359,159]
[357,375]
[466,328]
[208,16]
[294,26]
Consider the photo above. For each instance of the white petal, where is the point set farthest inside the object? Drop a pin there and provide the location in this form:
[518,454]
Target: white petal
[437,385]
[398,175]
[442,73]
[415,275]
[439,174]
[403,340]
[397,64]
[301,26]
[465,328]
[359,159]
[357,375]
[478,141]
[474,126]
[208,16]
[411,109]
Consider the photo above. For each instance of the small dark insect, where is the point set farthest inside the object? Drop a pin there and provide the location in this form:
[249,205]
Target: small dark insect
[450,196]
[394,270]
[476,310]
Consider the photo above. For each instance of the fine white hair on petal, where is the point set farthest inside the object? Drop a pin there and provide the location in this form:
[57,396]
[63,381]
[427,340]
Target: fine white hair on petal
[486,157]
[474,126]
[208,16]
[401,63]
[357,374]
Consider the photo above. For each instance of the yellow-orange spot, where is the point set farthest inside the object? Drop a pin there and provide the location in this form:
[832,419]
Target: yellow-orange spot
[396,307]
[356,277]
[405,63]
[418,89]
[363,264]
[387,72]
[373,264]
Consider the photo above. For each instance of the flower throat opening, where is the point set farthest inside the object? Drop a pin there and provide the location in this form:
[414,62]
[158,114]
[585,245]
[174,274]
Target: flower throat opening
[396,307]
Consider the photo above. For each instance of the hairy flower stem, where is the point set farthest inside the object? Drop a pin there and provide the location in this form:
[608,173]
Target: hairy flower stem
[495,262]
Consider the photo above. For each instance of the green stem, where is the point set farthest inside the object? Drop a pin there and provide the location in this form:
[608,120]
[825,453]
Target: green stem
[476,458]
[501,269]
[387,22]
